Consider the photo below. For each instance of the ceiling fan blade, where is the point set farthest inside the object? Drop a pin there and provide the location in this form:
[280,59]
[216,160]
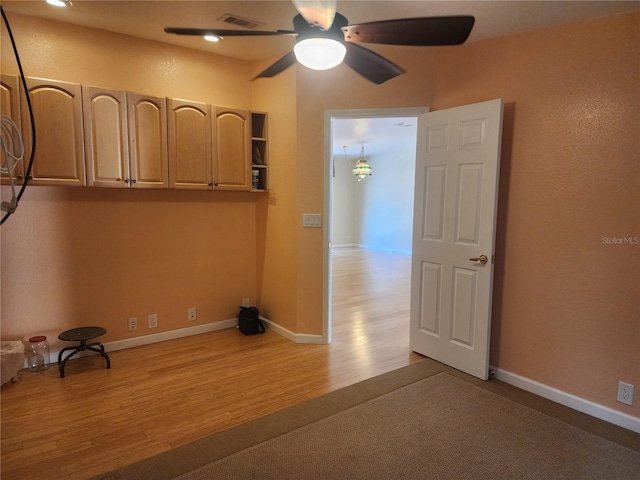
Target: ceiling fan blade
[227,33]
[370,65]
[424,31]
[317,12]
[278,67]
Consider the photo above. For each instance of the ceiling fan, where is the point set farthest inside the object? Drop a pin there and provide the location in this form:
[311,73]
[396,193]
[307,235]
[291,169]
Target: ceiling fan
[324,39]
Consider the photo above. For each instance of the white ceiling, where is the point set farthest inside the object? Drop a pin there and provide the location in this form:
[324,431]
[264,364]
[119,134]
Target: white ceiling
[380,136]
[147,19]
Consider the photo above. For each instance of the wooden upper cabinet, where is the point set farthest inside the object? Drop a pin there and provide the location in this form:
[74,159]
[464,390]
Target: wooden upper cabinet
[148,155]
[190,147]
[232,161]
[10,106]
[59,153]
[105,137]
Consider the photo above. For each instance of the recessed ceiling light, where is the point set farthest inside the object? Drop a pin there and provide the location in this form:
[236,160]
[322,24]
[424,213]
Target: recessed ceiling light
[212,38]
[59,3]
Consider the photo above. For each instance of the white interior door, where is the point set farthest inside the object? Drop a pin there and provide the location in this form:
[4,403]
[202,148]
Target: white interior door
[457,167]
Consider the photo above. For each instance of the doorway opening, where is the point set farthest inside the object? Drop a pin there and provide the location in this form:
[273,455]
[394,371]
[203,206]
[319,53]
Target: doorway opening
[368,223]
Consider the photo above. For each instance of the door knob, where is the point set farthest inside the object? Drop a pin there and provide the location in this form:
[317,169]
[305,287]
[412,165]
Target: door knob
[482,259]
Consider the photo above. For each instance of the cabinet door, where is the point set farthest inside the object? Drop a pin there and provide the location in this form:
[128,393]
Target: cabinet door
[190,151]
[148,158]
[10,106]
[105,137]
[59,152]
[232,161]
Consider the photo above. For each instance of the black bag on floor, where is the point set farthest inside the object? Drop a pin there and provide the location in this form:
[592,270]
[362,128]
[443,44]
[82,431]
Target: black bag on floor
[249,321]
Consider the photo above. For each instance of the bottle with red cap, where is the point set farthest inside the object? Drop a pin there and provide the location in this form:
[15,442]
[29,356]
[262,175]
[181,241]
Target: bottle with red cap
[38,353]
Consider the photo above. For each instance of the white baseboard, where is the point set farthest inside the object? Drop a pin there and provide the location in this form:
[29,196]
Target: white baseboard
[383,249]
[170,335]
[294,337]
[342,245]
[369,247]
[156,337]
[195,330]
[580,404]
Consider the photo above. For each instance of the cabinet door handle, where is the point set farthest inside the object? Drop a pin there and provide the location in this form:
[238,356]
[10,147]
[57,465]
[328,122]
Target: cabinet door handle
[216,184]
[134,180]
[126,180]
[211,184]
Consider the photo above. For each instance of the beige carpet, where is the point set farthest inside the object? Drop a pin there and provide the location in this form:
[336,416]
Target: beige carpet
[439,427]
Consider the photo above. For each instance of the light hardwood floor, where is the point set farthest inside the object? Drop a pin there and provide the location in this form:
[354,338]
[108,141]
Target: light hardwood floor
[161,396]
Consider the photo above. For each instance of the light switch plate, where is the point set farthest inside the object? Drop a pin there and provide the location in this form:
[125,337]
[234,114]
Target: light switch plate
[311,220]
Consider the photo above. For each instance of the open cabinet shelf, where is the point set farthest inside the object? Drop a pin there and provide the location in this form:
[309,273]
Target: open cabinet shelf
[259,152]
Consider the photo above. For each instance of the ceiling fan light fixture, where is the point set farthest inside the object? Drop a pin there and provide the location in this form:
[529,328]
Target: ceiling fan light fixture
[319,53]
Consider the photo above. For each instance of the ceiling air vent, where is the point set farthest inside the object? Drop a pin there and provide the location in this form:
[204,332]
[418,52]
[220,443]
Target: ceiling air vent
[239,21]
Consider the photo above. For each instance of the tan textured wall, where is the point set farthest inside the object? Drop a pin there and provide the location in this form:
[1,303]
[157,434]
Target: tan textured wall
[276,211]
[566,302]
[566,305]
[82,256]
[94,57]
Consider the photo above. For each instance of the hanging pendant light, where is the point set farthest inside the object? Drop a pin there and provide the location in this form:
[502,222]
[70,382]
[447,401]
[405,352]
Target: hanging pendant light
[362,169]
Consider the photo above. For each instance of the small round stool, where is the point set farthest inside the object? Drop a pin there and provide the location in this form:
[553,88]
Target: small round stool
[81,335]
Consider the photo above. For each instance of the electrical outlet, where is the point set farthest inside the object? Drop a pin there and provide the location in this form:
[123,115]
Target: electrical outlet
[133,324]
[246,302]
[153,320]
[625,393]
[191,313]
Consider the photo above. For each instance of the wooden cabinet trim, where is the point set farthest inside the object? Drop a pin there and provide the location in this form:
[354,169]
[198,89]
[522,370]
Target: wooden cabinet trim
[148,153]
[106,138]
[232,159]
[59,157]
[190,145]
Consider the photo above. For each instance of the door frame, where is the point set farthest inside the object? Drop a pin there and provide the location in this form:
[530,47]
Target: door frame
[329,115]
